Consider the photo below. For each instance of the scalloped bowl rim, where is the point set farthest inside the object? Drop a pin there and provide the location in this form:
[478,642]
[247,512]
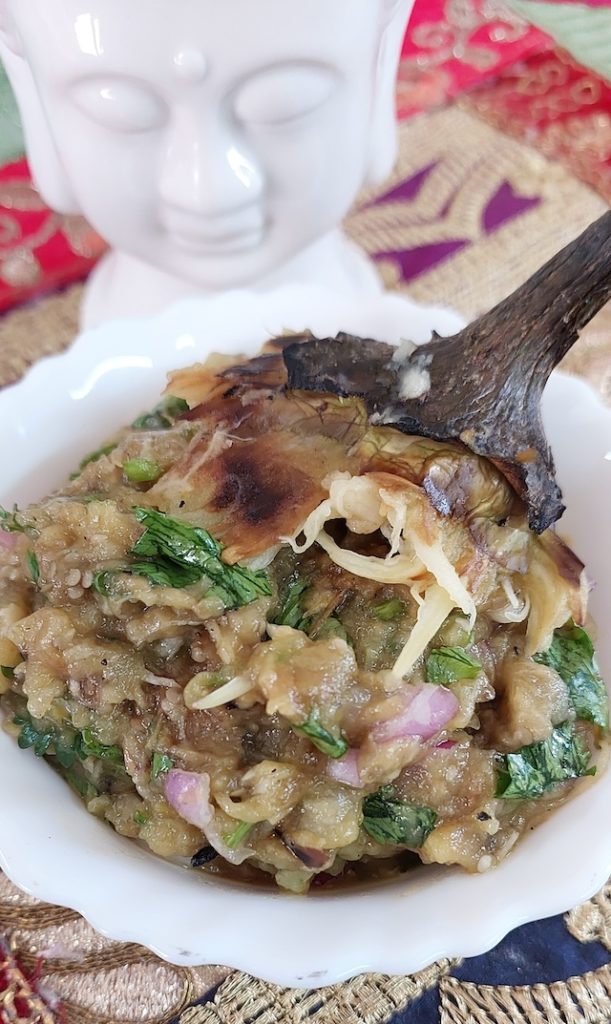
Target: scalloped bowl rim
[56,852]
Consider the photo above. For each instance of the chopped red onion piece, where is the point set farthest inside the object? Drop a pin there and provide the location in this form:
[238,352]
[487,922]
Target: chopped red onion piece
[346,769]
[189,794]
[428,710]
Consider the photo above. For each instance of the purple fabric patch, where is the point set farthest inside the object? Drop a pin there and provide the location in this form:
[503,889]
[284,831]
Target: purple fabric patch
[505,205]
[414,262]
[405,190]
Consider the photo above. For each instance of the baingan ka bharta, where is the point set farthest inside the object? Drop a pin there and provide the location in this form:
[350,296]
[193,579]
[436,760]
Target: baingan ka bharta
[270,631]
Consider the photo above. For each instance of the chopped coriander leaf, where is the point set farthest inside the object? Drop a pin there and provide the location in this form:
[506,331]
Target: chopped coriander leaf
[390,820]
[177,552]
[30,736]
[331,628]
[157,419]
[237,837]
[165,575]
[13,522]
[65,751]
[325,741]
[161,763]
[44,740]
[141,471]
[388,611]
[9,521]
[290,612]
[7,671]
[94,457]
[79,782]
[151,421]
[571,654]
[141,817]
[174,406]
[537,768]
[446,665]
[33,566]
[89,746]
[101,582]
[67,747]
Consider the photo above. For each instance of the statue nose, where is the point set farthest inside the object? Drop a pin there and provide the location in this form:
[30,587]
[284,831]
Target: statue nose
[207,171]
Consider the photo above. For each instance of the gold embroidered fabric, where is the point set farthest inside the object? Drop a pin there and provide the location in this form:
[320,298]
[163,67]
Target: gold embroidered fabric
[578,1000]
[591,922]
[103,982]
[471,162]
[369,999]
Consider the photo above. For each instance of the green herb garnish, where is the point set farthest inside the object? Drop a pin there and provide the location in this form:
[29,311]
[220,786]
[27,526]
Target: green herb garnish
[31,736]
[141,817]
[534,770]
[388,611]
[33,566]
[89,746]
[237,837]
[178,555]
[157,419]
[7,671]
[446,665]
[44,739]
[67,748]
[325,741]
[13,522]
[80,783]
[94,457]
[101,582]
[572,656]
[141,471]
[290,612]
[160,764]
[330,628]
[390,820]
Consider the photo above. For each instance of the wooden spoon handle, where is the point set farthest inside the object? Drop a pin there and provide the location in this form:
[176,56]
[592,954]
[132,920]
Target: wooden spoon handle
[539,322]
[482,386]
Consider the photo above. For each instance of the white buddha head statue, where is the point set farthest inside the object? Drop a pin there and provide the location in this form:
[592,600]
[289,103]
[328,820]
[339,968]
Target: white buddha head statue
[210,140]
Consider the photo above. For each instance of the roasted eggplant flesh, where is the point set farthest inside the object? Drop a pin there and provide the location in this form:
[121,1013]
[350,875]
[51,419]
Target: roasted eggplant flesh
[273,639]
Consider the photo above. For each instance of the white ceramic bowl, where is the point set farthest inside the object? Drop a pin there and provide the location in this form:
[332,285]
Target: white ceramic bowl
[55,851]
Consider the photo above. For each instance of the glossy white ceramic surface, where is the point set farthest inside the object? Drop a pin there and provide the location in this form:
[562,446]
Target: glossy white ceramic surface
[53,849]
[213,145]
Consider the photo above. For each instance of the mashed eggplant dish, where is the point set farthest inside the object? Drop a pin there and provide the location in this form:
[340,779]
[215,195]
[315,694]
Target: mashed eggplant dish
[268,636]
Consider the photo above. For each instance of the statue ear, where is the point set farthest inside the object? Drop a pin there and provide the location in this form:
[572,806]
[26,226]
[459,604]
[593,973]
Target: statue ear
[395,16]
[45,162]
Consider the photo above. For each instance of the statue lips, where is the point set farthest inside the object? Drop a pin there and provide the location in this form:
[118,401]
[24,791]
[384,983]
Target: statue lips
[203,245]
[211,236]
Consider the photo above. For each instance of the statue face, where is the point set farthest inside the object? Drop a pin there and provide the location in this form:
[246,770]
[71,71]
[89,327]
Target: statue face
[212,139]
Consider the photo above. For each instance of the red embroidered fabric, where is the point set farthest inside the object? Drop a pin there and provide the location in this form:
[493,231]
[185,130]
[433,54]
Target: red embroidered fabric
[511,74]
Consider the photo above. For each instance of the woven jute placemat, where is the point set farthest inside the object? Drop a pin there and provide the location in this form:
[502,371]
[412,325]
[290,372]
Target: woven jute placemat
[441,209]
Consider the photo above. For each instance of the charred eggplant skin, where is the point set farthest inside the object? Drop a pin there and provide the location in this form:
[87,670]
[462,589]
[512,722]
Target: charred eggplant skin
[485,383]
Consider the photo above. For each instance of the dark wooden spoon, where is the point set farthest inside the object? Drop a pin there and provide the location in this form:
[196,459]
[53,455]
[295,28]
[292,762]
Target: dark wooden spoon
[486,381]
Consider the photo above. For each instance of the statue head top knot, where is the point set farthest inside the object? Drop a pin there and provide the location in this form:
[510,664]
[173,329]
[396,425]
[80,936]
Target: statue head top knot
[213,145]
